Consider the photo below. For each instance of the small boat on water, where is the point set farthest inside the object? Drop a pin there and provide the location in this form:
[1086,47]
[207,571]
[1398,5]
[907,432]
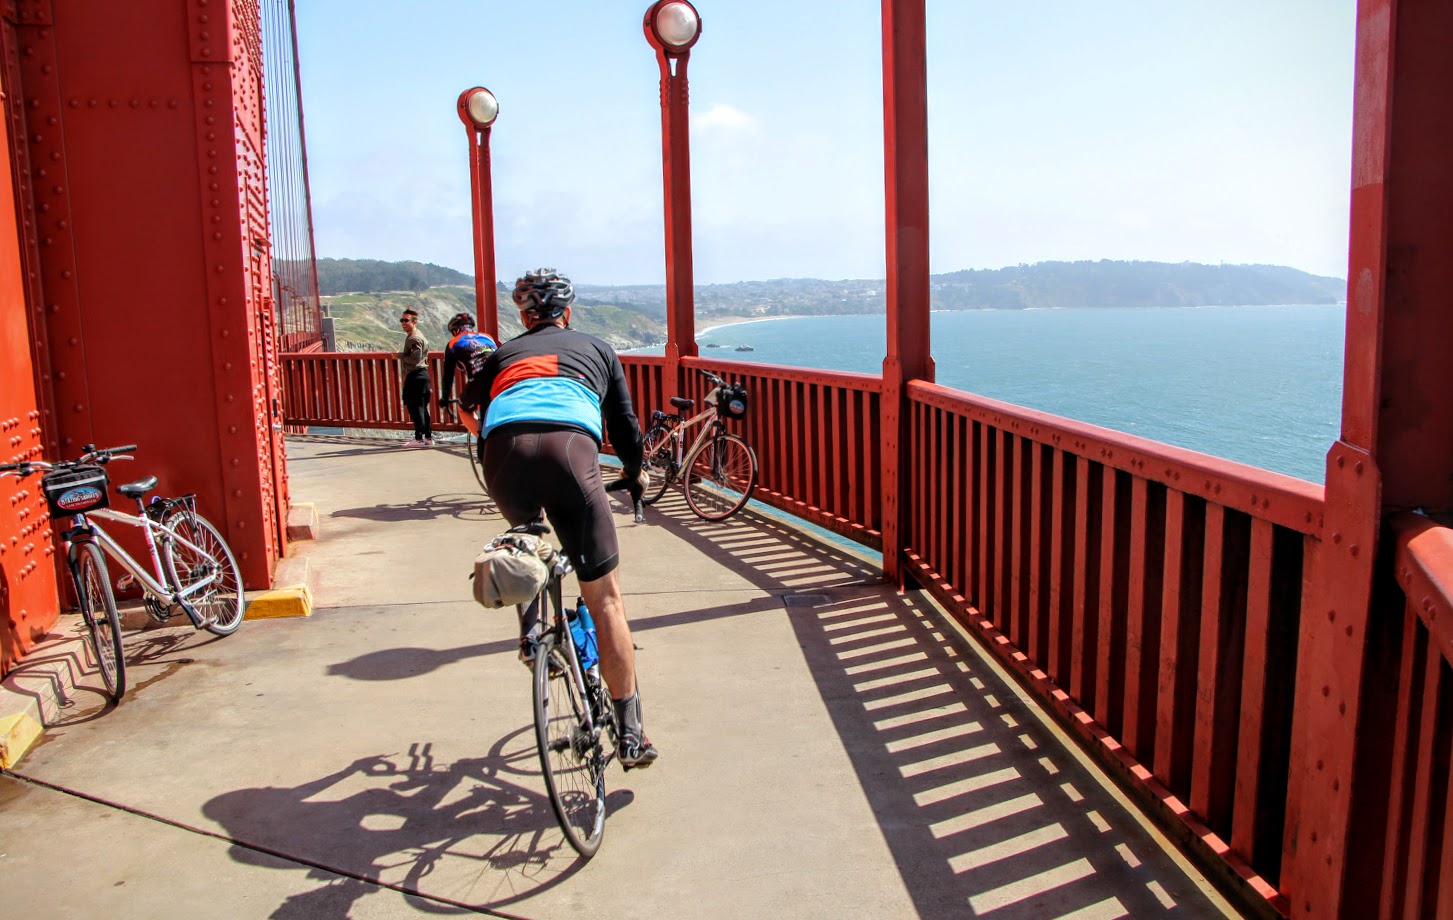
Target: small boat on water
[713,345]
[745,348]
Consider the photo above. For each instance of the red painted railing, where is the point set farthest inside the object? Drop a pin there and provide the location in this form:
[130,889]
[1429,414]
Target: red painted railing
[353,390]
[1417,855]
[1151,595]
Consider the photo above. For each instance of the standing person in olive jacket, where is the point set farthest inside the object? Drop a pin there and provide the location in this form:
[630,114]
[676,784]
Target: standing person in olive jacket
[414,369]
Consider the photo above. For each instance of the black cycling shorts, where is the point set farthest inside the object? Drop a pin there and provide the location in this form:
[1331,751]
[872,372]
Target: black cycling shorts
[529,468]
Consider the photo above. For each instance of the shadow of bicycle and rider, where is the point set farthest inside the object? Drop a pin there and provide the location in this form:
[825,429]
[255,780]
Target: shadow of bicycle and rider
[479,828]
[461,505]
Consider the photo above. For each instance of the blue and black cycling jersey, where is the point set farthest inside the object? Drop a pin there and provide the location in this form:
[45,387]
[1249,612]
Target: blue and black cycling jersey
[467,350]
[557,377]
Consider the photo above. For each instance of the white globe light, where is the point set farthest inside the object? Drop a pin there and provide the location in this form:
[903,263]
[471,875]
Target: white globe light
[483,107]
[676,24]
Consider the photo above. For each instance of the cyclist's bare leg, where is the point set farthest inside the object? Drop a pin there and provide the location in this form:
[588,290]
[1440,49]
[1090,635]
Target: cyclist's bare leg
[617,651]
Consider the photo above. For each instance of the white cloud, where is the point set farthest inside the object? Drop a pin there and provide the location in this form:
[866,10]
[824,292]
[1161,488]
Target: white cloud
[720,115]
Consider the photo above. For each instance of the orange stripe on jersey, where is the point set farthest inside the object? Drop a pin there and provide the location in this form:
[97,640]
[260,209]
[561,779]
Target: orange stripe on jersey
[525,369]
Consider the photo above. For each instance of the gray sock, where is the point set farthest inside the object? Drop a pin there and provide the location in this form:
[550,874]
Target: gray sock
[628,715]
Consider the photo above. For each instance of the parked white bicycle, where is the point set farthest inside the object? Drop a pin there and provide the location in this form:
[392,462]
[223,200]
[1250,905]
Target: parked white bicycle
[192,567]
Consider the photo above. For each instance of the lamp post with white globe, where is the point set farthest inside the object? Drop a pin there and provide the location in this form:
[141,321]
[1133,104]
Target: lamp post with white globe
[478,109]
[672,27]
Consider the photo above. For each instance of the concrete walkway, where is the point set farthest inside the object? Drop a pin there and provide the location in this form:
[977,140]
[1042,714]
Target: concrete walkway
[829,748]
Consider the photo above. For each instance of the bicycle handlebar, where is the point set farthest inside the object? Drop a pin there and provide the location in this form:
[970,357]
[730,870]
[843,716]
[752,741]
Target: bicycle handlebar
[107,454]
[90,454]
[639,506]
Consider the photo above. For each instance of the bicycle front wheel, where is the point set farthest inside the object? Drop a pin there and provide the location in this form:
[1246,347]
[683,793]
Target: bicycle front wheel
[571,755]
[657,454]
[221,603]
[103,623]
[471,441]
[720,477]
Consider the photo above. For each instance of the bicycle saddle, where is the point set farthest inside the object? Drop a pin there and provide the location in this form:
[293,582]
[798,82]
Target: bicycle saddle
[681,402]
[537,527]
[138,488]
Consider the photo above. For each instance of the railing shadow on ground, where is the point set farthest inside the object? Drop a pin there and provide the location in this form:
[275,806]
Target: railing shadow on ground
[979,803]
[389,821]
[62,676]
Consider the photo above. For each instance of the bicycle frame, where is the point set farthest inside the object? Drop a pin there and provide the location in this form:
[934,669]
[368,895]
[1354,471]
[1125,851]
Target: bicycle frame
[709,422]
[155,586]
[555,621]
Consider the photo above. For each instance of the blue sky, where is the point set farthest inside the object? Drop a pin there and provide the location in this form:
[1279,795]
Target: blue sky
[1201,130]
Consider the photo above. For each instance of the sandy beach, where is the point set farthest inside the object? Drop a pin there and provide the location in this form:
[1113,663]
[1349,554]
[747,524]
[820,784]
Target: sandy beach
[721,322]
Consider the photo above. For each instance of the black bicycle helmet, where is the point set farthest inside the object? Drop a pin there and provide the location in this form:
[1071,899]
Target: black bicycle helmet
[460,321]
[544,292]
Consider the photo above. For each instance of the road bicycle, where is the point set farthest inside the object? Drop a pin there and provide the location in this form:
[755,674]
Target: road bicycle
[575,722]
[192,567]
[471,443]
[719,470]
[576,731]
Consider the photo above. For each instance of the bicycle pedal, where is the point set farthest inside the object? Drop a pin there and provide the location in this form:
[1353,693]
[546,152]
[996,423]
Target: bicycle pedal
[126,582]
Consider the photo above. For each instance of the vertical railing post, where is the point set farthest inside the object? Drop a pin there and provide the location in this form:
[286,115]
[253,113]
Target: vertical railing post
[1395,452]
[673,27]
[905,166]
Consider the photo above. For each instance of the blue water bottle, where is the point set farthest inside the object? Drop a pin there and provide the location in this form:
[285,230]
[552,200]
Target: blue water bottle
[582,633]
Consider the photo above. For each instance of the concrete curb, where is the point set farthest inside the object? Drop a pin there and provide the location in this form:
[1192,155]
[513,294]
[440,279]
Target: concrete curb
[33,695]
[302,522]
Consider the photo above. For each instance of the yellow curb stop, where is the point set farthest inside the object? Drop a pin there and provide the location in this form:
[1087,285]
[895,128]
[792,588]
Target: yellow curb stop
[292,601]
[17,734]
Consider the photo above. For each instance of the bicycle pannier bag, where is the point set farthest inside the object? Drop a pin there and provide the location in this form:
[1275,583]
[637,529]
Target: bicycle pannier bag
[75,490]
[511,569]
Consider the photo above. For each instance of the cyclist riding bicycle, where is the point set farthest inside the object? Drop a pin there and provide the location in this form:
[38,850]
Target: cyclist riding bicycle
[542,397]
[467,349]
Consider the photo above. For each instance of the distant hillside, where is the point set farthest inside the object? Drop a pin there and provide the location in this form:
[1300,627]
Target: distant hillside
[369,321]
[1104,283]
[628,316]
[1131,284]
[369,276]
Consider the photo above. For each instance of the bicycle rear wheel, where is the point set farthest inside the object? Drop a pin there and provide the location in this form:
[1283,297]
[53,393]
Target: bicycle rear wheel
[103,623]
[657,453]
[471,441]
[220,603]
[720,477]
[571,755]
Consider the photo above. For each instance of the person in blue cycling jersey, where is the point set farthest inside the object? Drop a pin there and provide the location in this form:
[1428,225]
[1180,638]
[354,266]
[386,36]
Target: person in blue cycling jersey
[467,349]
[546,399]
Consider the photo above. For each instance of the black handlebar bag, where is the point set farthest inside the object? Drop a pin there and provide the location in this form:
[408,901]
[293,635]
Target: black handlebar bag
[76,490]
[732,401]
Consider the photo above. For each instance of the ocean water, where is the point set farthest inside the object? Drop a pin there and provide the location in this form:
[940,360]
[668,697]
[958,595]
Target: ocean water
[1261,385]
